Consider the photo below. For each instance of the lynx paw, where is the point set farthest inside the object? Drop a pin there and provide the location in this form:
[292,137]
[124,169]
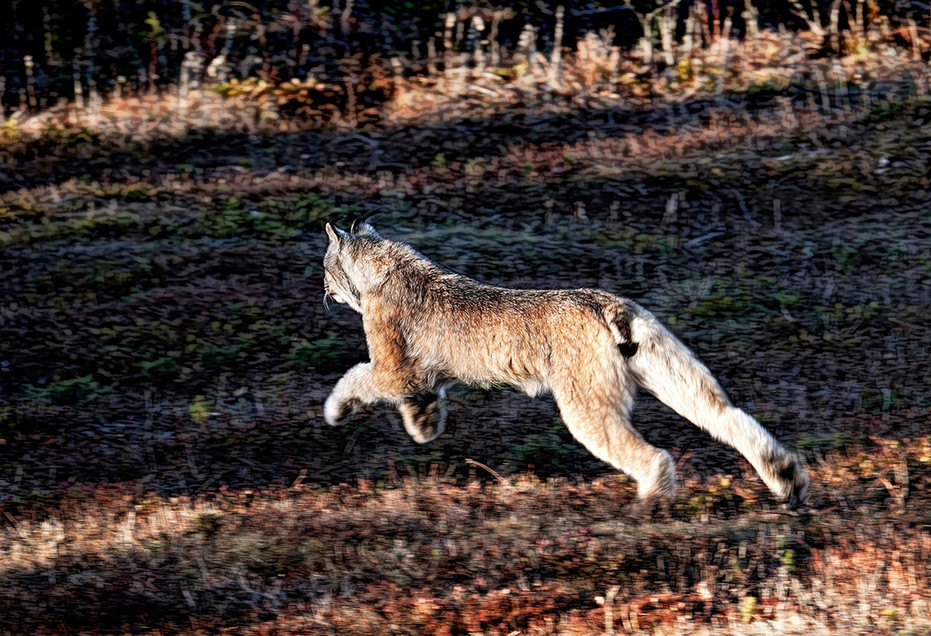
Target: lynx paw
[660,481]
[424,415]
[334,410]
[787,479]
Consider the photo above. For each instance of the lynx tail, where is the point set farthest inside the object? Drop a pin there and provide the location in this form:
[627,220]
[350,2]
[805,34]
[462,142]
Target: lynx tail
[665,367]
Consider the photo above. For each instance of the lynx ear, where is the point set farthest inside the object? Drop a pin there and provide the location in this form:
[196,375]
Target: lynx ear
[335,234]
[364,229]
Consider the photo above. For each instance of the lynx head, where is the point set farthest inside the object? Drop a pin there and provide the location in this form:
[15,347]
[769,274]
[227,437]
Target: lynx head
[355,262]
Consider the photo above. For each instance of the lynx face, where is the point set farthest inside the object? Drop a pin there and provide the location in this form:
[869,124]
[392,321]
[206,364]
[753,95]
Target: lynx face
[351,266]
[336,282]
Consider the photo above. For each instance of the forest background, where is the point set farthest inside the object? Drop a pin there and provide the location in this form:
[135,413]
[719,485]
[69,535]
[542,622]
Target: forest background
[755,173]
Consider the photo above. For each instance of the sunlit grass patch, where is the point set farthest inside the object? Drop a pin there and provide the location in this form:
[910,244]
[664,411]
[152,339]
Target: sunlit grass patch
[564,554]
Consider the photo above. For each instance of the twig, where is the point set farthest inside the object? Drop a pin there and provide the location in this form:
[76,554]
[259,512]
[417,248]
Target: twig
[686,456]
[899,493]
[909,325]
[814,24]
[300,477]
[701,239]
[501,479]
[556,55]
[609,608]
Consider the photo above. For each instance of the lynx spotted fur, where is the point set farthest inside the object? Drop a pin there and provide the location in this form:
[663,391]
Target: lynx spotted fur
[427,327]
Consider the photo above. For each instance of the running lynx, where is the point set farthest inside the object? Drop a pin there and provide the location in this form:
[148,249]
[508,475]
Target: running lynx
[427,327]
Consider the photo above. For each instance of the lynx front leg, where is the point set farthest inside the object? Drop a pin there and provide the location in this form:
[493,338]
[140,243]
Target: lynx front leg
[424,415]
[358,387]
[392,376]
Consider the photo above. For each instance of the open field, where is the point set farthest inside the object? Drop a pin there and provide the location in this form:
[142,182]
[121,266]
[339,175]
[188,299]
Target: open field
[165,351]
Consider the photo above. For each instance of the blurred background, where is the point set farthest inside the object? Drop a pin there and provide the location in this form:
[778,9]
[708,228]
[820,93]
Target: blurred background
[758,177]
[756,174]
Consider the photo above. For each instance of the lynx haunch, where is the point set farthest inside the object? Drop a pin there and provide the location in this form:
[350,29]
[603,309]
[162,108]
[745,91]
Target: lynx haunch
[427,327]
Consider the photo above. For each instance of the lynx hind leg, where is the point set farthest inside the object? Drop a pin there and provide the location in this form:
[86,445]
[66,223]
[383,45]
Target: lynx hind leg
[424,415]
[600,421]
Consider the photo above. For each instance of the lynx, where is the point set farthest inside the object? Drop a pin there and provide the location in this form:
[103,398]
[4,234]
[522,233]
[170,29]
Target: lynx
[427,327]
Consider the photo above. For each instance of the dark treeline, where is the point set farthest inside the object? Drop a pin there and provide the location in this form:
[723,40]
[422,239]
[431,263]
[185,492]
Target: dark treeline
[60,49]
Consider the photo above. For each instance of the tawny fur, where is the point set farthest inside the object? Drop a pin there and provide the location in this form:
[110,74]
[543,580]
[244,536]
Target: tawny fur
[427,327]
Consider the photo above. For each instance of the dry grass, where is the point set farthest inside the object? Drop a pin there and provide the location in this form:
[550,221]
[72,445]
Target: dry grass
[596,75]
[428,555]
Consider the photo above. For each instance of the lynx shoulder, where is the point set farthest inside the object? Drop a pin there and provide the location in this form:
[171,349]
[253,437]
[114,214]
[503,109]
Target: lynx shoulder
[427,327]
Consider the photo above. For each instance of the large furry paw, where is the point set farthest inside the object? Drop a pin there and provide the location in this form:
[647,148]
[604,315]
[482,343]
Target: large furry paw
[798,492]
[335,410]
[790,482]
[424,415]
[660,481]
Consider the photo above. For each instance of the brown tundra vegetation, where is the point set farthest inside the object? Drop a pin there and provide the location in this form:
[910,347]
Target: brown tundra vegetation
[165,349]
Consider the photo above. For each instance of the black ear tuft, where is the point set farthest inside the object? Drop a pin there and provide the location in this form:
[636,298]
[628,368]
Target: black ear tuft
[364,229]
[360,227]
